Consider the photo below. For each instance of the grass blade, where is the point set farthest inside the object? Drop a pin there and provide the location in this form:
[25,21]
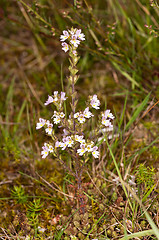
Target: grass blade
[123,113]
[138,234]
[9,103]
[118,171]
[95,225]
[148,193]
[19,116]
[137,112]
[35,12]
[125,74]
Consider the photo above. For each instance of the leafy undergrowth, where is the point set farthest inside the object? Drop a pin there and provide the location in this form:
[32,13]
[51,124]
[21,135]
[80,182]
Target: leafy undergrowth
[37,208]
[42,201]
[38,199]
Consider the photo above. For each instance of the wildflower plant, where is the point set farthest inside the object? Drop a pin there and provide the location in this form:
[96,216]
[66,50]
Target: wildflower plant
[73,141]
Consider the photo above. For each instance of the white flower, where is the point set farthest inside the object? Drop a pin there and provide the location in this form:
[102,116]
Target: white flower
[95,153]
[56,117]
[79,139]
[81,118]
[58,144]
[90,147]
[50,148]
[95,103]
[80,35]
[69,141]
[65,47]
[55,96]
[50,100]
[62,115]
[108,114]
[87,113]
[63,98]
[74,41]
[81,150]
[76,115]
[57,120]
[41,123]
[49,129]
[64,36]
[63,145]
[106,122]
[45,151]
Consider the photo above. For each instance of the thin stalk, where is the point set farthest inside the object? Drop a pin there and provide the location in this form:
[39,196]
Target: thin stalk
[73,104]
[78,168]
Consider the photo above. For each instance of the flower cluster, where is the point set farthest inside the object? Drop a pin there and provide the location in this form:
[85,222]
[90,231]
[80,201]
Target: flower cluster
[42,122]
[57,116]
[88,148]
[56,98]
[107,116]
[74,36]
[81,116]
[69,140]
[72,141]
